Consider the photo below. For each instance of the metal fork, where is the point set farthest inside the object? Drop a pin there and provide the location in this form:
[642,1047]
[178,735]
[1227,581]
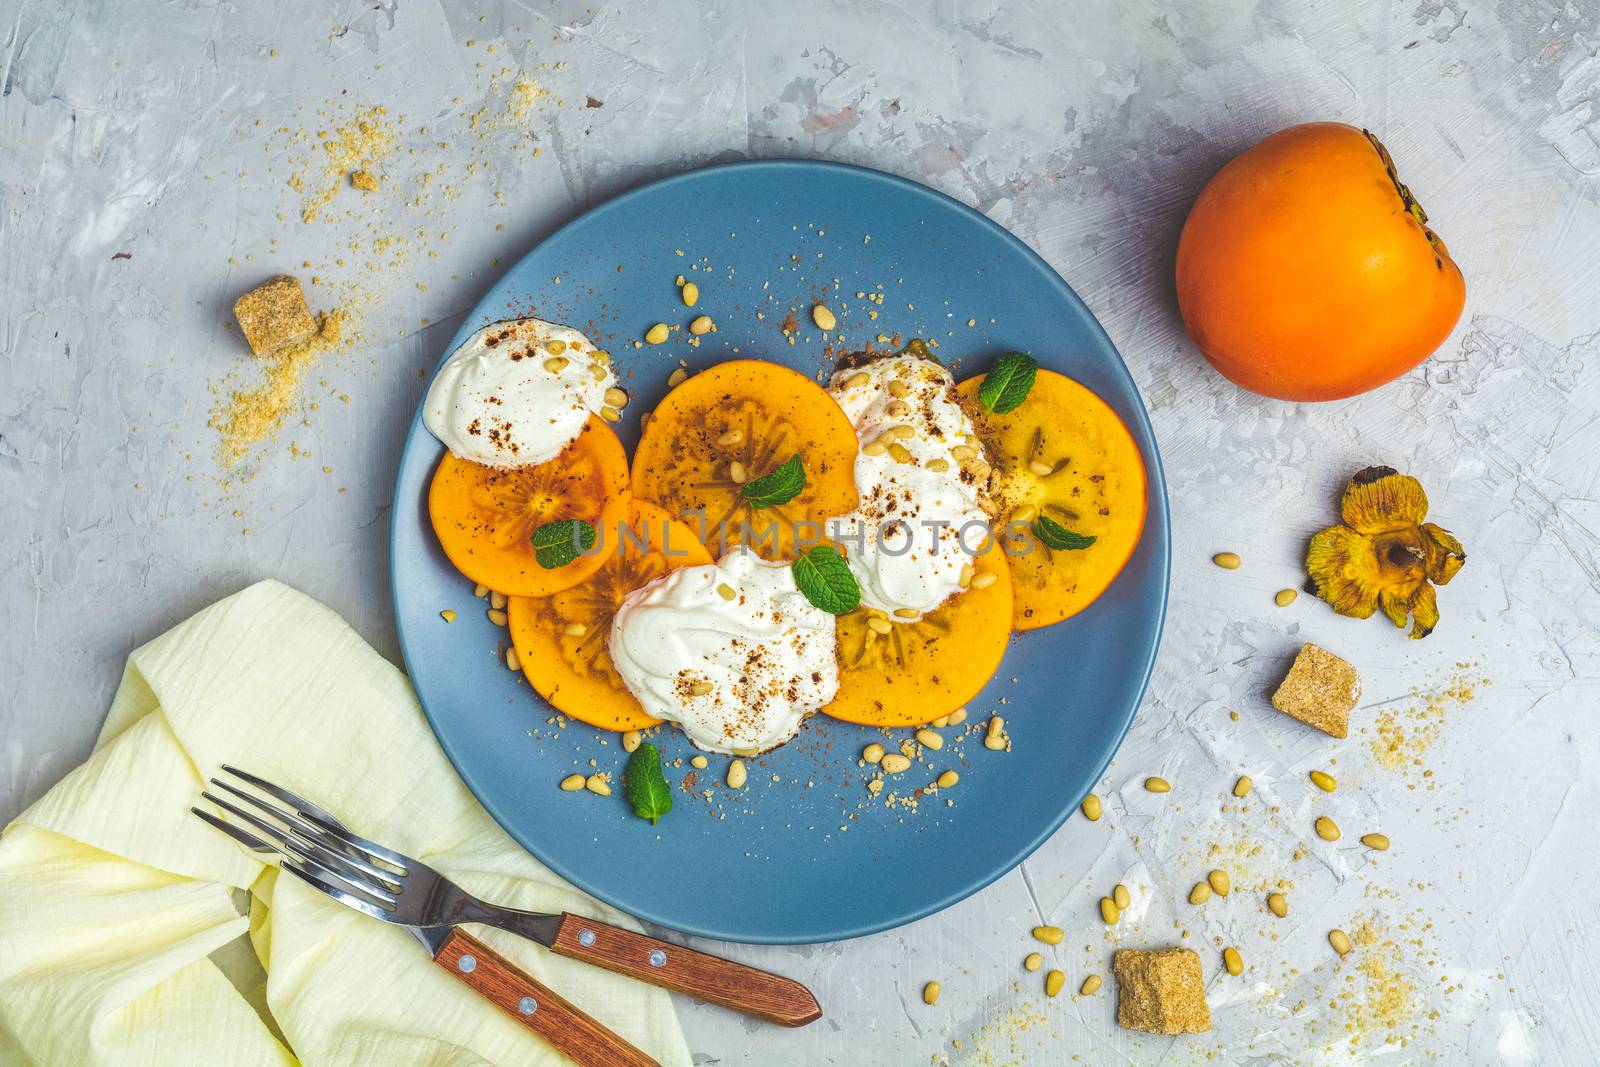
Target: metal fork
[317,848]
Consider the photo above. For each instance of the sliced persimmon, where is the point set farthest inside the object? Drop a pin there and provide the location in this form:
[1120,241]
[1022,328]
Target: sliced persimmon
[1063,454]
[732,424]
[485,517]
[563,640]
[920,671]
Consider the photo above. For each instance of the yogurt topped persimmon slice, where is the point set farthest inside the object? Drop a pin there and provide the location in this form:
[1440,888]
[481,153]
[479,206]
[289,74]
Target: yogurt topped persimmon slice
[485,517]
[732,424]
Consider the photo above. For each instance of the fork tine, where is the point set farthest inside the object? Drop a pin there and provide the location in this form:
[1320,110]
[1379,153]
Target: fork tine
[348,868]
[322,818]
[344,897]
[308,830]
[244,837]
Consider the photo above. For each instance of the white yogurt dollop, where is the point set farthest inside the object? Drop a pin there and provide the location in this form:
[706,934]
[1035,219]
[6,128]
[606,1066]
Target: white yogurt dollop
[500,401]
[731,651]
[918,523]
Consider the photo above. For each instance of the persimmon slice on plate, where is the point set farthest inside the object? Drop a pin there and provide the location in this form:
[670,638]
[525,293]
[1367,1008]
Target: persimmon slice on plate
[736,422]
[562,640]
[922,670]
[1065,455]
[485,517]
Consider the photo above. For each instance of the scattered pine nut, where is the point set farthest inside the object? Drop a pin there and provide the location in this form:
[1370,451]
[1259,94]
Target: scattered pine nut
[1241,788]
[1053,983]
[1340,942]
[1232,961]
[1092,808]
[677,378]
[1199,894]
[1228,561]
[879,626]
[731,437]
[556,364]
[930,739]
[556,347]
[617,398]
[984,579]
[1324,781]
[572,783]
[857,380]
[497,617]
[906,613]
[1109,911]
[958,716]
[1026,513]
[480,591]
[513,661]
[895,763]
[897,409]
[737,474]
[1050,935]
[948,779]
[1032,962]
[930,993]
[726,591]
[631,740]
[498,601]
[1121,897]
[1278,904]
[897,388]
[596,783]
[1285,597]
[656,334]
[610,414]
[699,689]
[690,293]
[447,615]
[737,774]
[575,629]
[874,448]
[1220,883]
[962,453]
[1376,842]
[1326,828]
[701,325]
[900,453]
[699,763]
[1154,784]
[823,317]
[1090,986]
[872,753]
[1040,468]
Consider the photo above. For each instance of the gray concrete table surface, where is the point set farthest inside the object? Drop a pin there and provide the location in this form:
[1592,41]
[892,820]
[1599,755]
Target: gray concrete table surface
[146,158]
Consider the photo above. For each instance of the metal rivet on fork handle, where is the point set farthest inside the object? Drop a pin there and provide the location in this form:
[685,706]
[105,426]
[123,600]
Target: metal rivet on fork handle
[467,964]
[527,1005]
[658,958]
[586,938]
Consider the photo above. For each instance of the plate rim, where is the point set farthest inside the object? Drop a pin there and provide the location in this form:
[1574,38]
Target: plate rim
[1156,487]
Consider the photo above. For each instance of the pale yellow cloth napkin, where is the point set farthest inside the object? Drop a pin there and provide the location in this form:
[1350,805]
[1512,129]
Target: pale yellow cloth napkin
[116,903]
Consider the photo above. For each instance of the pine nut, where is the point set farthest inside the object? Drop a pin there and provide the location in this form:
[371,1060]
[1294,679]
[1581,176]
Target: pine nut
[897,388]
[1091,808]
[958,716]
[1278,904]
[447,615]
[677,378]
[1324,781]
[1228,561]
[962,453]
[1026,513]
[996,725]
[631,739]
[1109,911]
[701,325]
[1326,828]
[824,318]
[610,414]
[700,689]
[1340,942]
[656,334]
[965,580]
[1032,962]
[895,763]
[1376,842]
[1199,894]
[1154,784]
[1241,788]
[872,753]
[900,453]
[874,448]
[699,763]
[948,779]
[930,993]
[597,372]
[496,617]
[857,380]
[1053,983]
[737,474]
[1232,961]
[731,437]
[1050,935]
[903,431]
[1285,597]
[984,579]
[690,293]
[616,397]
[726,591]
[498,601]
[1220,883]
[513,662]
[1090,986]
[994,742]
[556,347]
[572,783]
[480,591]
[597,784]
[906,613]
[897,409]
[575,629]
[930,739]
[879,626]
[556,364]
[1039,468]
[941,722]
[1121,897]
[736,774]
[938,464]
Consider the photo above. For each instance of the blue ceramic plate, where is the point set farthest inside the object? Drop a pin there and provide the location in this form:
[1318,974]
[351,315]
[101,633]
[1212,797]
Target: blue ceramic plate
[804,853]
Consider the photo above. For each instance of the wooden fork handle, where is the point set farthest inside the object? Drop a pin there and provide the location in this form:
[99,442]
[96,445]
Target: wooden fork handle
[683,970]
[535,1005]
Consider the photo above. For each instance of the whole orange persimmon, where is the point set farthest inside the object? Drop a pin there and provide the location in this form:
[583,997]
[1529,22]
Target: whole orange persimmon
[1307,271]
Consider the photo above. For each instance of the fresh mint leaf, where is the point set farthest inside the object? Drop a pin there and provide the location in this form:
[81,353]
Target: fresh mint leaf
[1008,382]
[779,487]
[1054,535]
[556,544]
[824,577]
[646,787]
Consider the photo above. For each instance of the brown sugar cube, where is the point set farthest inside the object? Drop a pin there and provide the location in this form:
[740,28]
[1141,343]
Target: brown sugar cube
[1161,991]
[1319,690]
[274,316]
